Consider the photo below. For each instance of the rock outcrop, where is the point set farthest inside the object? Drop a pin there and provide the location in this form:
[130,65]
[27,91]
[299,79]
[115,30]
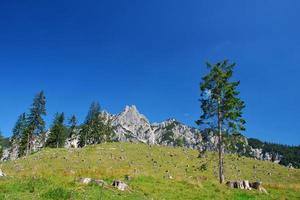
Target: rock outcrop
[87,181]
[2,173]
[246,185]
[132,126]
[120,185]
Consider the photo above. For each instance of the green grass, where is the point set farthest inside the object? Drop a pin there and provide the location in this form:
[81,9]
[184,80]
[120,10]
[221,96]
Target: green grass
[54,173]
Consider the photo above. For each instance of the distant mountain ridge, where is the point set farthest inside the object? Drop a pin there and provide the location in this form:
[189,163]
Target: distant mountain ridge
[132,126]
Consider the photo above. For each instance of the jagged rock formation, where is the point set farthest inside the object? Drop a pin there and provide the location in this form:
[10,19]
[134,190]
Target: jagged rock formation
[131,126]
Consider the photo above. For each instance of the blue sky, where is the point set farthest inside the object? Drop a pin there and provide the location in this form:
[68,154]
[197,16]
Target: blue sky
[151,54]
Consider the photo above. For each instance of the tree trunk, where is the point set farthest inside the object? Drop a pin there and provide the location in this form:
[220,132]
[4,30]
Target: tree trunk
[221,150]
[28,144]
[57,139]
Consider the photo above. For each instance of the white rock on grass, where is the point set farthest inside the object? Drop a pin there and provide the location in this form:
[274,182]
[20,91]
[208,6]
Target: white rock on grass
[1,173]
[247,185]
[120,185]
[85,181]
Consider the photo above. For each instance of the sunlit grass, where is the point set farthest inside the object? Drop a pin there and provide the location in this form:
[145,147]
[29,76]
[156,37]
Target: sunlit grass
[157,173]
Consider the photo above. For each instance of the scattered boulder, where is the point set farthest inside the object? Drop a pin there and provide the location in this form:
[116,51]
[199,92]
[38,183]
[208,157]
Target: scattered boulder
[255,185]
[86,181]
[246,185]
[2,174]
[241,185]
[120,185]
[258,186]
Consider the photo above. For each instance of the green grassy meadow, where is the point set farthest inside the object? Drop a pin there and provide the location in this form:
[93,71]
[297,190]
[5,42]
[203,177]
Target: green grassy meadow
[157,173]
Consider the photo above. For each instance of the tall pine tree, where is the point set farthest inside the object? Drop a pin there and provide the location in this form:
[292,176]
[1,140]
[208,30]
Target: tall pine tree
[221,106]
[95,130]
[57,135]
[87,131]
[35,123]
[72,126]
[19,128]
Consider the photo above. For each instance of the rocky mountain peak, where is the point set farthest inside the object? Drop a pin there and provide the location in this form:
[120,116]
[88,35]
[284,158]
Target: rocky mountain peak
[132,126]
[132,116]
[131,108]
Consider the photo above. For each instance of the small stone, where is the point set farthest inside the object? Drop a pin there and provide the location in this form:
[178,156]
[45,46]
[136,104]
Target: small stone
[120,185]
[240,185]
[85,181]
[2,174]
[247,185]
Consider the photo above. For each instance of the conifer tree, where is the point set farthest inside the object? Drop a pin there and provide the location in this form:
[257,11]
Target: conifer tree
[72,126]
[35,123]
[19,128]
[86,131]
[221,106]
[95,130]
[57,135]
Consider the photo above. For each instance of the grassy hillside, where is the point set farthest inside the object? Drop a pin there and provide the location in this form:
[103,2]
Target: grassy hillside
[157,173]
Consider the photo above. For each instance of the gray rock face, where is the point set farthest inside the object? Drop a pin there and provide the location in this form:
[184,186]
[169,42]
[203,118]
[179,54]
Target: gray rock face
[132,126]
[267,156]
[72,142]
[5,155]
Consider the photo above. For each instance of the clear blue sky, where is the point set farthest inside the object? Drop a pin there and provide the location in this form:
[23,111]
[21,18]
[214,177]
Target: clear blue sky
[151,54]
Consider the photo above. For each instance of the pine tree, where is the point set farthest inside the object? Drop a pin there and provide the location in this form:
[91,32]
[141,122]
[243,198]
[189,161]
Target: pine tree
[221,106]
[86,129]
[57,134]
[72,126]
[19,128]
[94,112]
[95,130]
[35,123]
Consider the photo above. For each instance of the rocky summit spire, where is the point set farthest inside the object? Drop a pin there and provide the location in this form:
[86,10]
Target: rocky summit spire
[131,124]
[133,116]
